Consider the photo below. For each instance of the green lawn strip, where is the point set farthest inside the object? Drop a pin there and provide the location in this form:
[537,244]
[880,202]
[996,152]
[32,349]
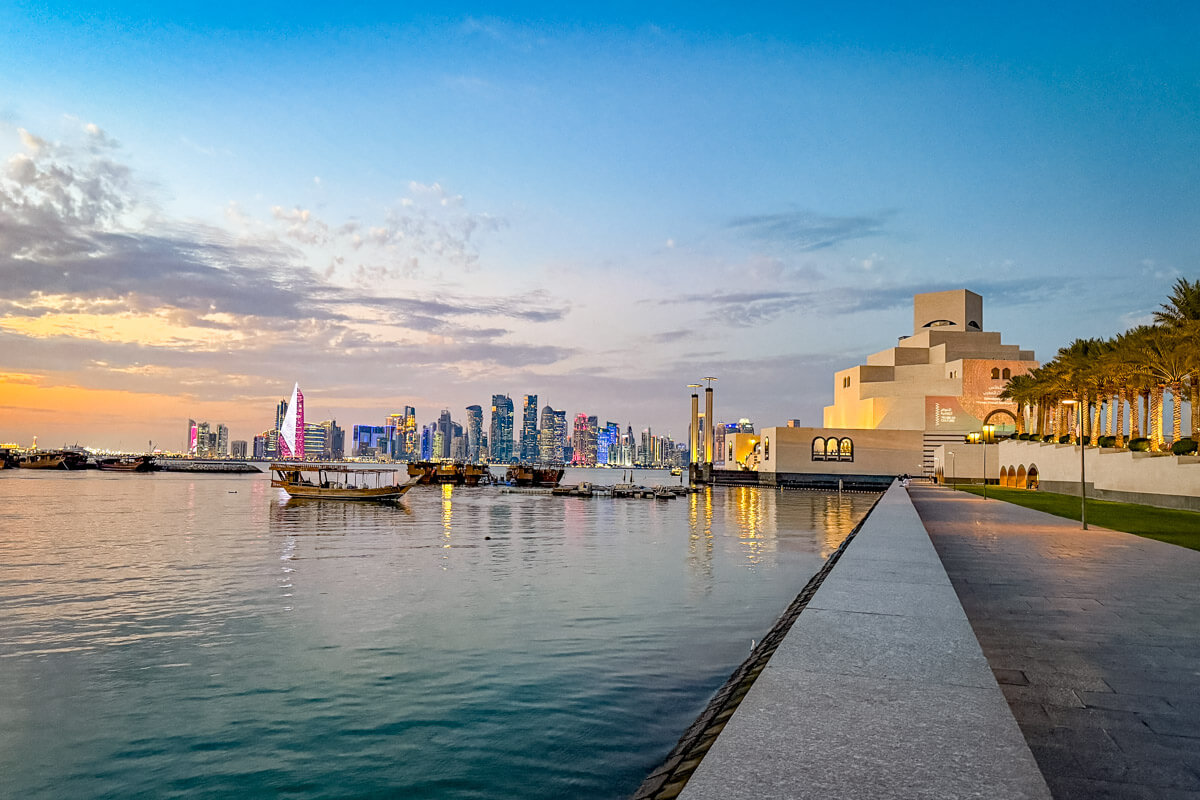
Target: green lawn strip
[1165,524]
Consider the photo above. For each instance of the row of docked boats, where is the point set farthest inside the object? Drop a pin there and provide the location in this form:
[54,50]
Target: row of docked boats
[44,459]
[587,489]
[321,482]
[71,459]
[461,474]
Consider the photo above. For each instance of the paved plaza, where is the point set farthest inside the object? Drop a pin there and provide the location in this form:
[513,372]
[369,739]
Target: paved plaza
[1094,637]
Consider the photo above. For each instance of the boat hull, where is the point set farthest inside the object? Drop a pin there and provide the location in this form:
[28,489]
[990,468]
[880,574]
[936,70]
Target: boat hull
[342,493]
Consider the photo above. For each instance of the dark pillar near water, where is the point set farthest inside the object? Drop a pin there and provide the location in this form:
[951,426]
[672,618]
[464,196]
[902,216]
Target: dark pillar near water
[708,425]
[695,427]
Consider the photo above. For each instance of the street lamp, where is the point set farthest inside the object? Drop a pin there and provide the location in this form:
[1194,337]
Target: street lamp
[989,437]
[951,454]
[1082,482]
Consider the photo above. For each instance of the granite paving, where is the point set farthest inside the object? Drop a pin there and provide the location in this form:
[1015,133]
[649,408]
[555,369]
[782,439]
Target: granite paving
[878,690]
[1093,635]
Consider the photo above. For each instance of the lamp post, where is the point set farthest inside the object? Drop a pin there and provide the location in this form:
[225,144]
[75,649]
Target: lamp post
[989,436]
[1082,482]
[951,454]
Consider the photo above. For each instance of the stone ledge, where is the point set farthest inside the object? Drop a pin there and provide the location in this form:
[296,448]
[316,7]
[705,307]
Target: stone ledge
[880,690]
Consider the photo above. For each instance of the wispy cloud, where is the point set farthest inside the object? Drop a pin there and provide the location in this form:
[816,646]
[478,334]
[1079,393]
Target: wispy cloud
[805,231]
[88,278]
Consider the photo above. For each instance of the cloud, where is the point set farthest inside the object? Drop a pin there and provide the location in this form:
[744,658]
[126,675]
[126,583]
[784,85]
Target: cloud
[85,276]
[806,231]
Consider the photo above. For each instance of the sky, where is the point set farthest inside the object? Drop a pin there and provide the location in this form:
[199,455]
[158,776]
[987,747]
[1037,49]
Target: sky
[201,206]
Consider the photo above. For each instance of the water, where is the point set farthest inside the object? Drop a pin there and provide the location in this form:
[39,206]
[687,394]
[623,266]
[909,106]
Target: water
[169,634]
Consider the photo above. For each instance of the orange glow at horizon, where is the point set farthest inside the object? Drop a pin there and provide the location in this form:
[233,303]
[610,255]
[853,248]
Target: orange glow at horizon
[30,408]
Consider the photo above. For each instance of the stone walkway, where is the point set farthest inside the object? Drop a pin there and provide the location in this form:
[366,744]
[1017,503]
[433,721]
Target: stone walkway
[1093,635]
[879,690]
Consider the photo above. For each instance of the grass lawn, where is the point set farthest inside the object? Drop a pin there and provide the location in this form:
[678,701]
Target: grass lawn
[1165,524]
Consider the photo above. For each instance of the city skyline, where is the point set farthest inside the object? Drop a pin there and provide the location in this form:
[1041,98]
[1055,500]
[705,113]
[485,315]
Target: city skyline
[415,209]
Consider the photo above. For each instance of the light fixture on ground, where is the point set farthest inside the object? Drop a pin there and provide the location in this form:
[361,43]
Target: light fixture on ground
[1082,449]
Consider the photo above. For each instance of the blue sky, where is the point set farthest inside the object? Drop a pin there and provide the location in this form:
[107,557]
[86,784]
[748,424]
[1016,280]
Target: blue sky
[596,205]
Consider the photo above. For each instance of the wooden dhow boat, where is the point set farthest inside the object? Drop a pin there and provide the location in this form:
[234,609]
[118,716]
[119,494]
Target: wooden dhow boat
[50,459]
[126,464]
[319,482]
[456,473]
[525,475]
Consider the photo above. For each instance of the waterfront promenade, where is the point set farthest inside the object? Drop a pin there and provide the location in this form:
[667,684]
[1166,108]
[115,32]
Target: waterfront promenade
[1093,635]
[879,690]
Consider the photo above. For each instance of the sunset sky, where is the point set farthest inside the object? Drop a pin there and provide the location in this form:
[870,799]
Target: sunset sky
[200,207]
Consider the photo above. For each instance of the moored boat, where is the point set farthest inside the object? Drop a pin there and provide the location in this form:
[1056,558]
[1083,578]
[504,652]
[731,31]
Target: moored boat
[452,472]
[42,459]
[126,464]
[525,475]
[338,483]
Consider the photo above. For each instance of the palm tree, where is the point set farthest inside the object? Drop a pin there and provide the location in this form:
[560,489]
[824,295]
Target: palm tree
[1164,359]
[1182,306]
[1022,390]
[1079,376]
[1181,313]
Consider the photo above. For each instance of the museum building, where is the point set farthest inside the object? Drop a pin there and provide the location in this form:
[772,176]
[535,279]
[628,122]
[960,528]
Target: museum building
[889,415]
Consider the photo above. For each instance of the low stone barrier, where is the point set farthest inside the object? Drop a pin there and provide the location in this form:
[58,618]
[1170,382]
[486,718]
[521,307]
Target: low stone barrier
[878,690]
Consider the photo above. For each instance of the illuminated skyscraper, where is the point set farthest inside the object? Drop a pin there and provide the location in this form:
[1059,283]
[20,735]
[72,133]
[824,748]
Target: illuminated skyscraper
[191,437]
[445,427]
[474,432]
[291,431]
[500,434]
[529,429]
[202,443]
[412,444]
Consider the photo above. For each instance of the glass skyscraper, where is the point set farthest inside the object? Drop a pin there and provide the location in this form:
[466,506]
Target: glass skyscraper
[500,434]
[529,430]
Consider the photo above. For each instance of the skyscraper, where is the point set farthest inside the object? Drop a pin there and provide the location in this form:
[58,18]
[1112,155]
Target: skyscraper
[547,439]
[474,432]
[529,429]
[445,428]
[191,437]
[412,444]
[291,430]
[394,427]
[222,449]
[500,433]
[202,444]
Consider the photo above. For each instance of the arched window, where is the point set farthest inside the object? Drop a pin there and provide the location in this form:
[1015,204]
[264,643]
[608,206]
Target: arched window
[818,449]
[846,450]
[938,323]
[766,447]
[831,449]
[995,373]
[1006,374]
[730,459]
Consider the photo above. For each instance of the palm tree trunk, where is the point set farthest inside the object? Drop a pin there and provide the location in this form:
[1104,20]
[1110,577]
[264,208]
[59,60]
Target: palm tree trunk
[1194,386]
[1108,423]
[1156,418]
[1095,429]
[1146,421]
[1120,427]
[1176,411]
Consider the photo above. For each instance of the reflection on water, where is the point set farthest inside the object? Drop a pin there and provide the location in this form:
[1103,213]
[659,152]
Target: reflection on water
[205,635]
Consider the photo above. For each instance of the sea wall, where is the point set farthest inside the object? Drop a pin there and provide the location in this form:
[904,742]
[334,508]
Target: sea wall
[879,689]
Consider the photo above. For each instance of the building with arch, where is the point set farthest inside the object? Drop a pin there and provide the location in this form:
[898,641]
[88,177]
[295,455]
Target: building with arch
[937,384]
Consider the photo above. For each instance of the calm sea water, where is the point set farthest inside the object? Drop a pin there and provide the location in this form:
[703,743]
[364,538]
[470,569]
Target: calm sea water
[204,636]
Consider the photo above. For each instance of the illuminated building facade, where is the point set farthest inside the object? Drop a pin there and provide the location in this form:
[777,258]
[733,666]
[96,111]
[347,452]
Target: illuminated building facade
[500,434]
[529,429]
